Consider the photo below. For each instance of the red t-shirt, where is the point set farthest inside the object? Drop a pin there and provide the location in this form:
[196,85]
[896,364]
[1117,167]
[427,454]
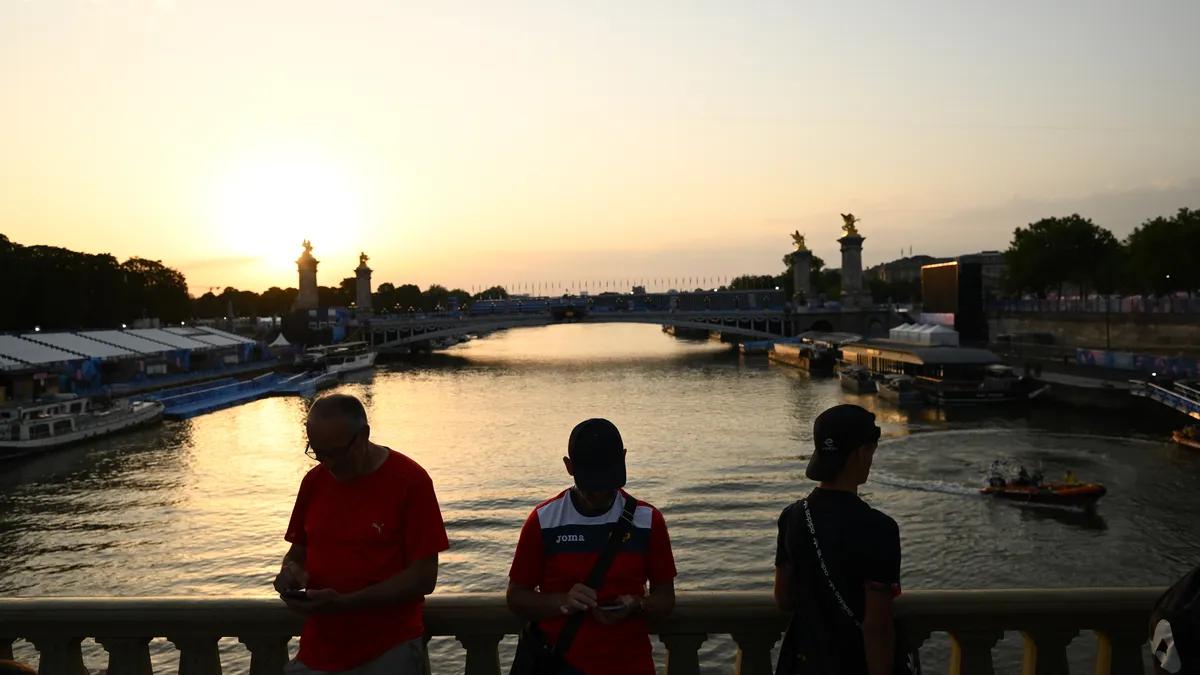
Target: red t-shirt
[557,549]
[358,534]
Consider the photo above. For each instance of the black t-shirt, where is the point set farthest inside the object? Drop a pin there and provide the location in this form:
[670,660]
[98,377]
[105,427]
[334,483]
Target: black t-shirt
[861,549]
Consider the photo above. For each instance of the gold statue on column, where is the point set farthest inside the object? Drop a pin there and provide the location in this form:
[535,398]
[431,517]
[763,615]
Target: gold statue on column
[307,246]
[798,239]
[362,259]
[848,222]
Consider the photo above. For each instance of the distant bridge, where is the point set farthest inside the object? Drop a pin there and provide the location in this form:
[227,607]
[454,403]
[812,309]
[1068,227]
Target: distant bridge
[765,324]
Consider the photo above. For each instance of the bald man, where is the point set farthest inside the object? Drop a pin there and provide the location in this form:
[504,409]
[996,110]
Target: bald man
[365,534]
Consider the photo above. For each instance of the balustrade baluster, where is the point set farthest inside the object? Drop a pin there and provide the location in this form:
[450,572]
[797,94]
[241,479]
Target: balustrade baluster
[127,656]
[683,652]
[971,653]
[198,655]
[58,655]
[1046,651]
[483,656]
[268,653]
[1119,652]
[754,653]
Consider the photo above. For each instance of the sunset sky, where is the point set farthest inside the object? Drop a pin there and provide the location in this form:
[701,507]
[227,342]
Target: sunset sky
[480,142]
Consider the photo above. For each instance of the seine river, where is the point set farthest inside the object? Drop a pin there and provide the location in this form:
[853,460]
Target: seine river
[716,441]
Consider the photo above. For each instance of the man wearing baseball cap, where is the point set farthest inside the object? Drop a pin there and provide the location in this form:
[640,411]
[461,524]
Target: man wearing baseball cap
[561,542]
[850,631]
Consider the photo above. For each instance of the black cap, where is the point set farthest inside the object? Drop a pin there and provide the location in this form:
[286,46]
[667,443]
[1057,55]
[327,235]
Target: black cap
[597,455]
[837,432]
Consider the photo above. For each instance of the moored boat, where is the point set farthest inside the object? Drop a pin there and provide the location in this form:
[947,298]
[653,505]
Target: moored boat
[945,375]
[900,390]
[857,380]
[340,358]
[64,419]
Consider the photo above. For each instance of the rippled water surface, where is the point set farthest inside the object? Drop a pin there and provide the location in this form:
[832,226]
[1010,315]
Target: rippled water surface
[716,441]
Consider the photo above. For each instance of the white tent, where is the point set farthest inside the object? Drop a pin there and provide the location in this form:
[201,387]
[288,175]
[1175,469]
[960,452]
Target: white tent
[280,342]
[941,335]
[923,332]
[909,332]
[898,332]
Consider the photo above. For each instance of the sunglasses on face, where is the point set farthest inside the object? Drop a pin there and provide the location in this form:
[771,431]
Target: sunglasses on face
[324,456]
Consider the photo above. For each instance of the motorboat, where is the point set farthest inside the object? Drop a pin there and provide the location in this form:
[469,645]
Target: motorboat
[1032,489]
[64,419]
[1074,494]
[1188,436]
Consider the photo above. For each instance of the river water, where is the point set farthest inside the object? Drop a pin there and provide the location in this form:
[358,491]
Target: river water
[717,441]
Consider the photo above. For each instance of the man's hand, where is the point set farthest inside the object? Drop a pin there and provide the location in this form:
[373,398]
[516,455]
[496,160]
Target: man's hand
[291,577]
[608,618]
[579,599]
[320,601]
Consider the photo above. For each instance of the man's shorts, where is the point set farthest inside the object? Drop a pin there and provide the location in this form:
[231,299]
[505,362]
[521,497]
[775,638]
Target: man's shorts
[406,658]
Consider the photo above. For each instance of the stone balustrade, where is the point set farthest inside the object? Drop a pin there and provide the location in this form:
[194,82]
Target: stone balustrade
[1048,620]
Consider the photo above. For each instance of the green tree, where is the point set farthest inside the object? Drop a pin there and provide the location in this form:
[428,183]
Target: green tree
[154,290]
[1054,252]
[276,301]
[1164,254]
[435,297]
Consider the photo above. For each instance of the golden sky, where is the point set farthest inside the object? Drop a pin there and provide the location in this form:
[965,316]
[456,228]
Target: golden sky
[472,142]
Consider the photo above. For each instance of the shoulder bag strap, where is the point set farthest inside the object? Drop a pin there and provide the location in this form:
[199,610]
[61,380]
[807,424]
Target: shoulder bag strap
[616,537]
[812,530]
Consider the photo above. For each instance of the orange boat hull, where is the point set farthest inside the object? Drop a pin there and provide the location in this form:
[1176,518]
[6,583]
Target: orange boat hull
[1187,442]
[1049,493]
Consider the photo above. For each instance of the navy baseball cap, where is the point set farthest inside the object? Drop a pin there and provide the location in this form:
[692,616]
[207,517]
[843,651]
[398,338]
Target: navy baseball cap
[597,455]
[837,432]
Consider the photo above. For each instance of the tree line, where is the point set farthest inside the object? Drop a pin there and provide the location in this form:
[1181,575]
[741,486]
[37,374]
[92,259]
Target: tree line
[56,288]
[1160,257]
[388,298]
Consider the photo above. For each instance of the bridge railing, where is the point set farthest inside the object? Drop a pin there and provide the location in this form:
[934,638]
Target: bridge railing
[1185,401]
[1048,620]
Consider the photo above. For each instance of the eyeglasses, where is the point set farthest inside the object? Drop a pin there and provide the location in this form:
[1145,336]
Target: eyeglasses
[325,456]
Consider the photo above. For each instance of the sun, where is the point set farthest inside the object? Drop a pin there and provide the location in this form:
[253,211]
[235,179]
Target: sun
[267,208]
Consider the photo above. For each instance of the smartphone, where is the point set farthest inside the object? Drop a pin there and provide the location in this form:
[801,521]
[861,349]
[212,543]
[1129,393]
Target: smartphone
[615,607]
[293,594]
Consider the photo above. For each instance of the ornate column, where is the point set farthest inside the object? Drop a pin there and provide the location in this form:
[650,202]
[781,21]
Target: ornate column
[307,266]
[362,300]
[853,296]
[801,270]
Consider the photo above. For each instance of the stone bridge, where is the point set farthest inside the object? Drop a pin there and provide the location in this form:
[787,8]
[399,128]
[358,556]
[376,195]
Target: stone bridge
[387,333]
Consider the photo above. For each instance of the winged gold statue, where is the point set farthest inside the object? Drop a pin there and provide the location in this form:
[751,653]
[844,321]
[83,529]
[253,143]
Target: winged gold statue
[307,246]
[799,241]
[848,222]
[362,259]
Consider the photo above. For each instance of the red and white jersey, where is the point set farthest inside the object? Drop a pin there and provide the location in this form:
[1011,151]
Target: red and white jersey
[557,550]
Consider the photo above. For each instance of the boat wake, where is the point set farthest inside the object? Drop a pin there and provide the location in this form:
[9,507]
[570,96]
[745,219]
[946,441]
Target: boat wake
[925,485]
